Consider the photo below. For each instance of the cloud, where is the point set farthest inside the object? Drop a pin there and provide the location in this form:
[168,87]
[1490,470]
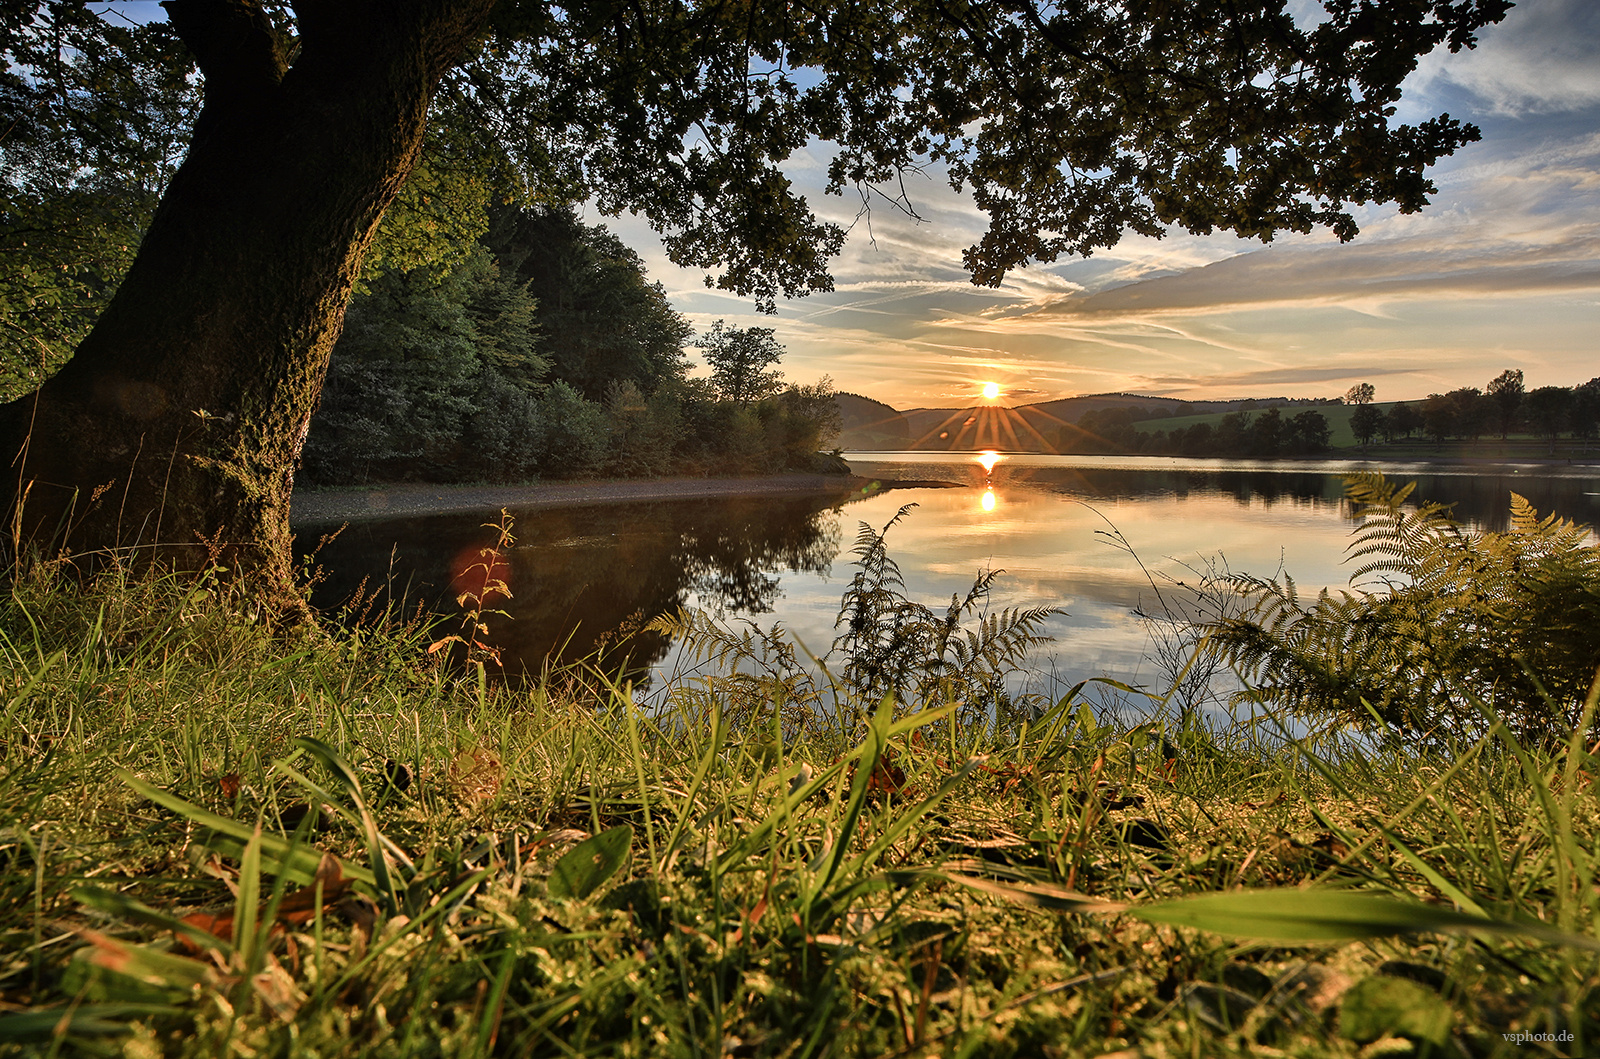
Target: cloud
[1544,58]
[1352,275]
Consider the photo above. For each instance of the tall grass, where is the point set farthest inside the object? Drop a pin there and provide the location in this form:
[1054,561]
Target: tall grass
[214,841]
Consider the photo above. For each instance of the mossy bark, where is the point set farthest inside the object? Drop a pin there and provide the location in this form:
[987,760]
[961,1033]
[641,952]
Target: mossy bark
[175,427]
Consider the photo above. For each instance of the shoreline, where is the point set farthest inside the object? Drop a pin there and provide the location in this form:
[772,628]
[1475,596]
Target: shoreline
[1511,461]
[418,499]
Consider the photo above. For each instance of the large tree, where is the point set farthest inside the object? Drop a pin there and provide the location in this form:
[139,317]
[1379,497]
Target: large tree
[180,416]
[740,359]
[1507,390]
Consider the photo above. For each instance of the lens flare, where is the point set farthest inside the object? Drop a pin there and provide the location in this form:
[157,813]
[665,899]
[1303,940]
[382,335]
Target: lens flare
[991,390]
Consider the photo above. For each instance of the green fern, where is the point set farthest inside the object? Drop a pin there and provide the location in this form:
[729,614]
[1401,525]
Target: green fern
[893,645]
[1450,621]
[749,672]
[890,644]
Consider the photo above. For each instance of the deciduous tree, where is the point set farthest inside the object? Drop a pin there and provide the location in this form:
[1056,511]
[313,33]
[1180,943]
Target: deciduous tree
[184,408]
[1585,413]
[1364,422]
[1548,410]
[1506,390]
[739,359]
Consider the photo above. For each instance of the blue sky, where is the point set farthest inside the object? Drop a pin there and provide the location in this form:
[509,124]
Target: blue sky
[1502,271]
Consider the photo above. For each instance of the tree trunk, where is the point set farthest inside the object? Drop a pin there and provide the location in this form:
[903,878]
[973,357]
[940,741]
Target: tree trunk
[175,428]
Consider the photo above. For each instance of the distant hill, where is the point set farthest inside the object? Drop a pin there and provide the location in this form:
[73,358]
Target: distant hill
[870,424]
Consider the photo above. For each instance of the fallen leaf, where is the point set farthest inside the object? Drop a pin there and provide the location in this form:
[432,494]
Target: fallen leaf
[476,775]
[296,908]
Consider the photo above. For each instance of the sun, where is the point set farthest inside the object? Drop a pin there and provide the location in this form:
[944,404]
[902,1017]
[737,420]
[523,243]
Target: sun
[991,390]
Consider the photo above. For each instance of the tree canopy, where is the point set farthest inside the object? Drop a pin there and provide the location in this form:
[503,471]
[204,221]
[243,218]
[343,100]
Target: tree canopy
[1070,122]
[739,358]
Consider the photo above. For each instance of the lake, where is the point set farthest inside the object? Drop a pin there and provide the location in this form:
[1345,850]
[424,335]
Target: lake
[1054,524]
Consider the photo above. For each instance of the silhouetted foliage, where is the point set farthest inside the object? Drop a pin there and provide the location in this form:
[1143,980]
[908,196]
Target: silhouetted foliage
[1244,433]
[1506,390]
[739,359]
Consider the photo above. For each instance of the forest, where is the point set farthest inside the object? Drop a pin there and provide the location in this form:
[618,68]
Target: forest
[488,339]
[546,353]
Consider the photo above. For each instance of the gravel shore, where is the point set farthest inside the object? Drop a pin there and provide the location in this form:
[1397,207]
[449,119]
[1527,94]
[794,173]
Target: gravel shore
[412,499]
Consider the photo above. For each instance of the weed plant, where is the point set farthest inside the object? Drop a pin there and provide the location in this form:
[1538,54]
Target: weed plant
[216,842]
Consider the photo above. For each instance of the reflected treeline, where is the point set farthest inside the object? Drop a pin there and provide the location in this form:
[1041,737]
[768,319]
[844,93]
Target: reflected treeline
[585,579]
[1481,500]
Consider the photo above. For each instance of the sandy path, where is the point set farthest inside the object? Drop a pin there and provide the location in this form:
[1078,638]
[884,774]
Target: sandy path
[402,500]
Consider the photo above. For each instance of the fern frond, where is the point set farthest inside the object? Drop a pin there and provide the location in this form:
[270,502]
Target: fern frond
[1470,618]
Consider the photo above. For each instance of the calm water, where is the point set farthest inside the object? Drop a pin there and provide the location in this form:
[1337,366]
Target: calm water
[578,574]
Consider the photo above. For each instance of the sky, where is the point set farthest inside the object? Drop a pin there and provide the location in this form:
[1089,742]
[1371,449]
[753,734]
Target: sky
[1501,271]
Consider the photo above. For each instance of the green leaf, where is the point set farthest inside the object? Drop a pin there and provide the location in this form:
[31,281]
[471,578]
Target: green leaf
[1328,915]
[585,867]
[82,1020]
[1394,1007]
[278,856]
[111,970]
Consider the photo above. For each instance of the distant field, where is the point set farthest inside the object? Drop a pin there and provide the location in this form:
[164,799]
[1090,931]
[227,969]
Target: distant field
[1338,417]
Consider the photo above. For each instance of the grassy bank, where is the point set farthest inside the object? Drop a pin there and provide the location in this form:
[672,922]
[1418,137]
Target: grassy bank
[218,841]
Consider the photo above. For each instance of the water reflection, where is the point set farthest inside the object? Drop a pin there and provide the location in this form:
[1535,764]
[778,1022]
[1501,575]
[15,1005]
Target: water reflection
[1480,495]
[586,572]
[579,575]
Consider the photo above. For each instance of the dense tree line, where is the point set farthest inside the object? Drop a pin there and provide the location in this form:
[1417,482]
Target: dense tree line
[545,351]
[1240,434]
[1503,407]
[1506,406]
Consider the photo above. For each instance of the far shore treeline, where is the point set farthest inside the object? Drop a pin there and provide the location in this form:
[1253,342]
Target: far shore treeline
[1515,419]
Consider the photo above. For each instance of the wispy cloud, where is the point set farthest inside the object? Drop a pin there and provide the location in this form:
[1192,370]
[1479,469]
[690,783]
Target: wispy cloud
[1356,275]
[1540,60]
[1501,270]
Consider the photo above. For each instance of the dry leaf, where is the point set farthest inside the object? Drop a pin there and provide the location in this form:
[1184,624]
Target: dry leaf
[295,909]
[476,775]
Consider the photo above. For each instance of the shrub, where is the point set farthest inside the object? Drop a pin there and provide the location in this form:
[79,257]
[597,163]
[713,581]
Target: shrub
[1460,621]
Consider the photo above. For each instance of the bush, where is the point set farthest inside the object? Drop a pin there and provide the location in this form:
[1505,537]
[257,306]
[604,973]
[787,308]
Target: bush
[1462,623]
[576,433]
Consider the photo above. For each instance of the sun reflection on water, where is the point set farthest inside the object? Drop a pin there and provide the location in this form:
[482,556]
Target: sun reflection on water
[988,500]
[988,460]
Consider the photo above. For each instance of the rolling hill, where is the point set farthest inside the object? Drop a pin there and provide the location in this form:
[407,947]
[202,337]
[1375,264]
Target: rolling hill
[870,425]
